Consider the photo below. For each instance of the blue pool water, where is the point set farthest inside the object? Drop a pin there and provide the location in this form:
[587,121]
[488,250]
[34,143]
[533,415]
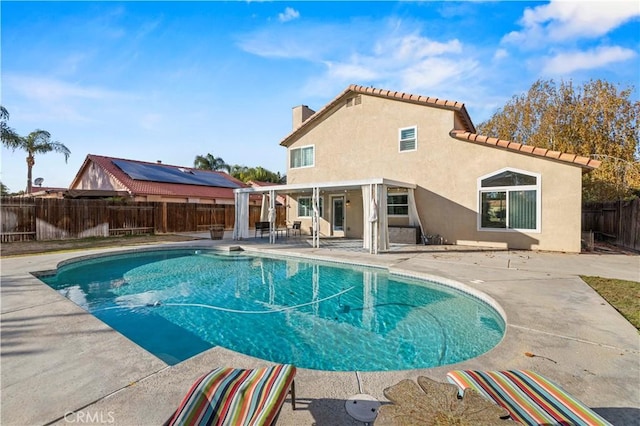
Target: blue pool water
[318,315]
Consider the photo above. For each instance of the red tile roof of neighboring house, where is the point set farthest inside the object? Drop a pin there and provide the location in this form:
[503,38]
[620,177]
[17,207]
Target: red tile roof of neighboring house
[467,134]
[145,187]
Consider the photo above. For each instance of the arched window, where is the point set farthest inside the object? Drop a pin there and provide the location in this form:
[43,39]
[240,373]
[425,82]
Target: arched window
[509,199]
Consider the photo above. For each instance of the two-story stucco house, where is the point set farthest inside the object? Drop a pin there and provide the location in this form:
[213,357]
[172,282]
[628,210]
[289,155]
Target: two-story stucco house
[373,162]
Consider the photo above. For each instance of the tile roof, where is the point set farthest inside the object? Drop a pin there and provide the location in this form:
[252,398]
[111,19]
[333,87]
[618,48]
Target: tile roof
[456,107]
[145,187]
[578,160]
[467,134]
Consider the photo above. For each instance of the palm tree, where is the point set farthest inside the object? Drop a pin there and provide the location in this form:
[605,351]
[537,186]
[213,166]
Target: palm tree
[261,174]
[36,142]
[8,134]
[239,172]
[209,162]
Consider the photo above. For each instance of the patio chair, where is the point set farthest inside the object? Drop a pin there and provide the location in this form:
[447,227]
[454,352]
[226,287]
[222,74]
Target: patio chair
[231,396]
[295,228]
[528,397]
[262,228]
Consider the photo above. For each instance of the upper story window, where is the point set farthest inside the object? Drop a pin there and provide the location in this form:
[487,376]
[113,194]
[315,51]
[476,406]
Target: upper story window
[397,203]
[510,199]
[301,157]
[408,137]
[305,207]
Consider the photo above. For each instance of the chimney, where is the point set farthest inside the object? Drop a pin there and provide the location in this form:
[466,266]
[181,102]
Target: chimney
[301,114]
[159,161]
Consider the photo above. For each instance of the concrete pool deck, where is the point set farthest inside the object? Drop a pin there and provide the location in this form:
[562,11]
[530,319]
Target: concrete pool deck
[60,365]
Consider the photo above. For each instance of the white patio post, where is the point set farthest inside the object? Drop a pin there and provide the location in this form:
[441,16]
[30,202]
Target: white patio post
[236,201]
[272,217]
[373,220]
[315,220]
[366,205]
[383,221]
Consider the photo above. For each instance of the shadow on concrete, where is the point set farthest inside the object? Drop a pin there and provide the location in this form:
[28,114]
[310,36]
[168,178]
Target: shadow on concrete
[326,411]
[18,331]
[627,416]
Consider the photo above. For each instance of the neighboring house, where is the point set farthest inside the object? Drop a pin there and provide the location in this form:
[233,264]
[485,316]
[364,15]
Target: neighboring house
[45,192]
[280,199]
[153,181]
[374,161]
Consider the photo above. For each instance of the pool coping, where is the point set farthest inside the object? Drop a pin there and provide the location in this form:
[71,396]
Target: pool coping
[80,367]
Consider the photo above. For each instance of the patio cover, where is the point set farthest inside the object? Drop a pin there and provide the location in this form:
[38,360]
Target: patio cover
[374,199]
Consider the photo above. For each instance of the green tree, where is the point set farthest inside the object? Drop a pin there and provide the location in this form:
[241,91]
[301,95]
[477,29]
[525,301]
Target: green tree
[36,142]
[261,174]
[594,120]
[210,162]
[240,172]
[4,191]
[8,134]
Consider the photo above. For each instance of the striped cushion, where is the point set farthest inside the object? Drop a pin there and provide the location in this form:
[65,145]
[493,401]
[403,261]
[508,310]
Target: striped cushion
[529,398]
[229,396]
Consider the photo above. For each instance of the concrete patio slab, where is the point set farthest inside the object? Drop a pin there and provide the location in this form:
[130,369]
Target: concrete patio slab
[61,365]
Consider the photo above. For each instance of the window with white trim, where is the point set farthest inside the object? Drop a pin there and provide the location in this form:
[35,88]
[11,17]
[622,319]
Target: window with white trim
[408,139]
[509,199]
[305,207]
[301,157]
[397,203]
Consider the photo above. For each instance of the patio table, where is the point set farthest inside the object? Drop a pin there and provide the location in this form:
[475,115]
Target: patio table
[434,403]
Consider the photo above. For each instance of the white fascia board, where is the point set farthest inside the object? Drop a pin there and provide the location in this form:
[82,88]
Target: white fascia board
[325,185]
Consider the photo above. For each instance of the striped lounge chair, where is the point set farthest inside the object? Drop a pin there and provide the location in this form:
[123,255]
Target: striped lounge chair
[230,396]
[530,398]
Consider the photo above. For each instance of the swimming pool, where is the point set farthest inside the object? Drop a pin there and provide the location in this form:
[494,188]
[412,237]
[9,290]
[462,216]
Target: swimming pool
[177,303]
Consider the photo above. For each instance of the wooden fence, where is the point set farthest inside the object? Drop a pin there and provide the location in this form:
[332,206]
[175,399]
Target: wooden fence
[617,222]
[24,219]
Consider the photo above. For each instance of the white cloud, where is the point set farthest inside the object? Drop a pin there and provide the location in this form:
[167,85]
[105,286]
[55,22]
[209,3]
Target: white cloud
[270,46]
[409,63]
[309,42]
[566,20]
[413,46]
[289,14]
[58,99]
[500,54]
[568,62]
[413,62]
[433,76]
[351,72]
[46,89]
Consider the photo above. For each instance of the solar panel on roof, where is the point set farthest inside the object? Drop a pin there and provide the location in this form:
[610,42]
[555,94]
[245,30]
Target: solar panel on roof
[168,174]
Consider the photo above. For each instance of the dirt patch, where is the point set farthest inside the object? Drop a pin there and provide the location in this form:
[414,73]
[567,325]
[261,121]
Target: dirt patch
[39,247]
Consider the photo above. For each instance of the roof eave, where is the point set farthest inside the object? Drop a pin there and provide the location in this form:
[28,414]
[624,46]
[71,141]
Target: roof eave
[457,107]
[586,163]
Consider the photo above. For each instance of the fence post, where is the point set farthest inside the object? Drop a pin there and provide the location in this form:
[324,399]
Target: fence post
[164,217]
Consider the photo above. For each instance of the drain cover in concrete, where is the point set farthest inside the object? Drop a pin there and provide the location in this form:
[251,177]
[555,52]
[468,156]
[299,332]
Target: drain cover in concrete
[362,407]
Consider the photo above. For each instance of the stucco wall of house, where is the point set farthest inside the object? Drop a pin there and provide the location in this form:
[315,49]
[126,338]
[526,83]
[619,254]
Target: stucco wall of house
[361,141]
[94,177]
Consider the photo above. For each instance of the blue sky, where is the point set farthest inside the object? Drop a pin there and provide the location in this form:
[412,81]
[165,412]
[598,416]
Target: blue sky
[169,80]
